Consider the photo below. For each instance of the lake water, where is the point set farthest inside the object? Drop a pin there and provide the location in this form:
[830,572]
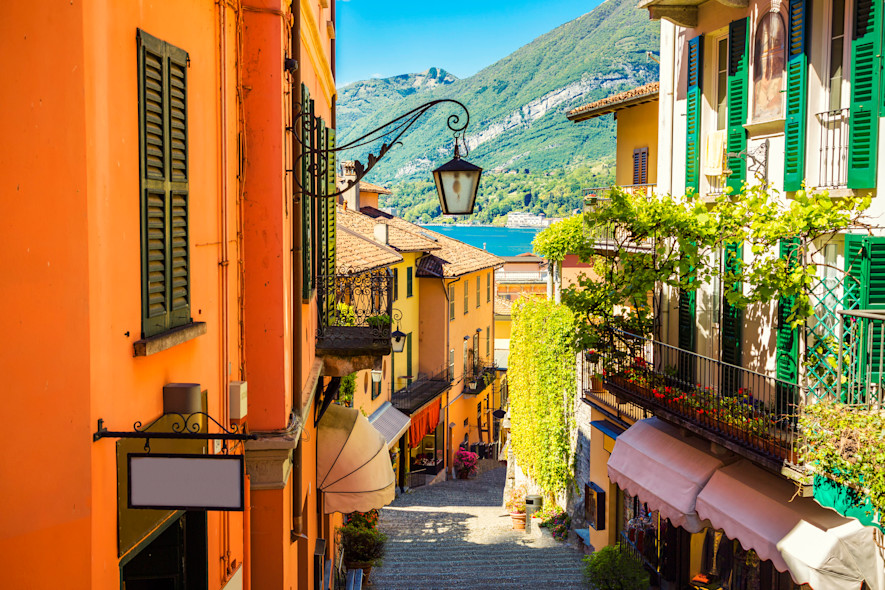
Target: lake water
[502,241]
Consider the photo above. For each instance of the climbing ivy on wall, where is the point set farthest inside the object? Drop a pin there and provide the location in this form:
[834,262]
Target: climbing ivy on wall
[541,374]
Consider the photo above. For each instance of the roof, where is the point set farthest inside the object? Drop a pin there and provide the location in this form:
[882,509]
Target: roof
[355,253]
[617,102]
[374,188]
[397,238]
[523,258]
[502,306]
[452,258]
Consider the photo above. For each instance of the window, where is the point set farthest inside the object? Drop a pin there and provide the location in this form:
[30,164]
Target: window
[163,151]
[837,55]
[489,287]
[640,165]
[409,281]
[452,363]
[466,295]
[376,389]
[478,292]
[451,303]
[768,69]
[722,83]
[396,284]
[488,341]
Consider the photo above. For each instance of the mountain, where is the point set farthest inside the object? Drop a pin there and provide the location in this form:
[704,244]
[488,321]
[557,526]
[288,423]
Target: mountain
[360,99]
[517,105]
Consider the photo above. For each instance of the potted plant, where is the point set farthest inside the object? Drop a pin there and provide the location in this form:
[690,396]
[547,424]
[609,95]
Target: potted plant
[363,547]
[465,463]
[515,504]
[614,568]
[378,321]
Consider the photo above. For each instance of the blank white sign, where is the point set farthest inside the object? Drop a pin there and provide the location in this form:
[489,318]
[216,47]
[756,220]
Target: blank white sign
[186,482]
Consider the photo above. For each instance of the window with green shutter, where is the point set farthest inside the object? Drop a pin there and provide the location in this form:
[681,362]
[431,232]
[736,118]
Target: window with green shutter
[306,181]
[738,82]
[693,115]
[863,132]
[787,336]
[410,280]
[451,303]
[164,187]
[732,322]
[466,295]
[865,279]
[797,97]
[395,284]
[489,287]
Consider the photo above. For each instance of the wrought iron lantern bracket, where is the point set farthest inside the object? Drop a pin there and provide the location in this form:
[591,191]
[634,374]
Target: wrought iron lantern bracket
[182,429]
[389,134]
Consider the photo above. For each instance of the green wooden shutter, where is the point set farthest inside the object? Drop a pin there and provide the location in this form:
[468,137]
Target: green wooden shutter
[693,115]
[306,200]
[331,220]
[787,337]
[863,133]
[797,98]
[163,147]
[732,320]
[687,312]
[865,289]
[738,81]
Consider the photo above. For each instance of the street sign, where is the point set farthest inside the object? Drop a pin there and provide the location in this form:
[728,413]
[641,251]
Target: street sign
[186,482]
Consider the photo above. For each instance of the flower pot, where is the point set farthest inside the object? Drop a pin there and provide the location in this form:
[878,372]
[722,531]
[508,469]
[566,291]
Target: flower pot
[366,566]
[518,520]
[463,475]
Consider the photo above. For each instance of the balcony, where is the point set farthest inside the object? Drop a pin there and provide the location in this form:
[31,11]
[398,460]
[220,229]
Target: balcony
[479,377]
[609,239]
[353,323]
[539,276]
[833,159]
[595,394]
[749,413]
[422,390]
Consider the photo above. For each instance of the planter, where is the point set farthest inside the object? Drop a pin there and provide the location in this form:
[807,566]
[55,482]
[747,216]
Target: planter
[518,520]
[366,566]
[463,475]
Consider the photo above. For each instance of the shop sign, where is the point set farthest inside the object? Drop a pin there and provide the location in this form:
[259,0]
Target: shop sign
[186,482]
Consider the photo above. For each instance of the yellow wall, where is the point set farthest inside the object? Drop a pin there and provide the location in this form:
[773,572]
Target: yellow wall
[637,127]
[502,326]
[409,308]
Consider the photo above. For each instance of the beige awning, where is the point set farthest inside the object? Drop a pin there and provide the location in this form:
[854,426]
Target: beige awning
[653,461]
[353,464]
[816,545]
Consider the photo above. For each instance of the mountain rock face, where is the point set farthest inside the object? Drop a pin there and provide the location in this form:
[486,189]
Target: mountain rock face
[517,105]
[360,99]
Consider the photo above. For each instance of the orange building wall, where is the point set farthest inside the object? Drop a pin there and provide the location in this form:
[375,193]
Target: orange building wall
[73,246]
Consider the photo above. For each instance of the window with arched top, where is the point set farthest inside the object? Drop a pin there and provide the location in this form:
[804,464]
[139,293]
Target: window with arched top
[768,69]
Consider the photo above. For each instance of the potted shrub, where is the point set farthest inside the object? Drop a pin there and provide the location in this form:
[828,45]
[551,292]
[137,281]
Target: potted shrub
[465,463]
[363,547]
[378,321]
[515,504]
[614,568]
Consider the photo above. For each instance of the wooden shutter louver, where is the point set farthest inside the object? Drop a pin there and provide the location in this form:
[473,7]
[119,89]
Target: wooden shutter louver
[865,274]
[640,166]
[738,81]
[306,201]
[163,147]
[693,115]
[863,132]
[732,322]
[797,97]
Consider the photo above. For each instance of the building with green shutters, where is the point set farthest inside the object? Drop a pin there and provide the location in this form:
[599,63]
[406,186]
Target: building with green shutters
[792,94]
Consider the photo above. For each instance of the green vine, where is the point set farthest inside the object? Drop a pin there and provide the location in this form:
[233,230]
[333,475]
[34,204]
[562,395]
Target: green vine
[541,374]
[847,444]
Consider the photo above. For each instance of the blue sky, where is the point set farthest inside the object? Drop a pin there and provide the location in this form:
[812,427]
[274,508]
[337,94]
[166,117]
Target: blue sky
[380,38]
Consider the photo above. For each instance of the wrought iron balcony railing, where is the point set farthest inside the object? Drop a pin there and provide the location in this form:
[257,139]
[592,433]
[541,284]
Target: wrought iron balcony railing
[480,376]
[862,348]
[354,313]
[421,390]
[609,238]
[750,413]
[594,391]
[539,276]
[833,160]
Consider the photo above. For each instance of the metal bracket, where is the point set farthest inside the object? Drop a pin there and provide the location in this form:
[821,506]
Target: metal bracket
[759,156]
[390,133]
[182,429]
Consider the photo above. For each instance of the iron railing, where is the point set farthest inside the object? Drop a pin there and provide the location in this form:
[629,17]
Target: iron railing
[742,408]
[539,276]
[862,348]
[421,390]
[594,391]
[355,311]
[833,160]
[609,237]
[479,376]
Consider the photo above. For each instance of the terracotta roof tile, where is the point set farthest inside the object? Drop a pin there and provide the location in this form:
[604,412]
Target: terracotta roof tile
[355,253]
[452,258]
[616,102]
[397,238]
[502,306]
[374,188]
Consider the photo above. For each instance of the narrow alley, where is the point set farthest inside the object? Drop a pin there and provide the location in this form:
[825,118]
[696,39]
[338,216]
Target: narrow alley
[455,534]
